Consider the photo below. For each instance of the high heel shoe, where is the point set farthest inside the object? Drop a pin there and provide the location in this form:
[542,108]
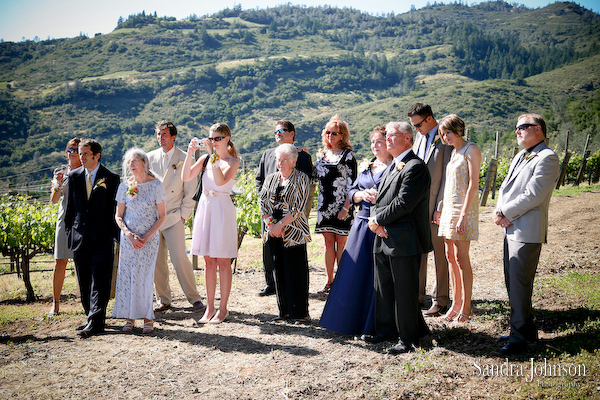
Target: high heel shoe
[207,320]
[449,316]
[128,327]
[214,319]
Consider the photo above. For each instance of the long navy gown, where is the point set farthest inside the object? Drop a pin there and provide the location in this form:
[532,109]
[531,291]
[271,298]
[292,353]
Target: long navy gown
[350,305]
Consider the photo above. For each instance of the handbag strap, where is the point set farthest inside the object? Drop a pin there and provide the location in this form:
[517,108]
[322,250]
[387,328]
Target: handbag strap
[198,191]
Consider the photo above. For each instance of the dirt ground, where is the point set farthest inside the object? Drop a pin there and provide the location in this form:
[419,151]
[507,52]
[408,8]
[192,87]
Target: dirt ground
[249,357]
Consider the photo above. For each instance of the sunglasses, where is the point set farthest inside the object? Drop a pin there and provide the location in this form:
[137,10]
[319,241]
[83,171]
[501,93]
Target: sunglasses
[72,150]
[332,133]
[524,126]
[216,139]
[278,131]
[420,123]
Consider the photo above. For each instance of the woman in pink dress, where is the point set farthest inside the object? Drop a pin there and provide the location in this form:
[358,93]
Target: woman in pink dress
[215,228]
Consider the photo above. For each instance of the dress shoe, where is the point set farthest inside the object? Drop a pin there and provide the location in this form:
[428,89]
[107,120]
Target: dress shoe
[512,348]
[197,305]
[401,347]
[435,310]
[81,327]
[266,291]
[162,307]
[87,332]
[214,319]
[374,339]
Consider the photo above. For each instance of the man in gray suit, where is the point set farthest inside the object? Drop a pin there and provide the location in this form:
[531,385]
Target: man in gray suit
[166,163]
[429,148]
[522,211]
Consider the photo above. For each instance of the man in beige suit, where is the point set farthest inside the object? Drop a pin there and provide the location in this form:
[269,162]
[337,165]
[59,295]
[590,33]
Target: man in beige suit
[429,148]
[522,210]
[166,163]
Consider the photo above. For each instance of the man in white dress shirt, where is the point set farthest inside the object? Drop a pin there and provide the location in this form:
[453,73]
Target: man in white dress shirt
[166,163]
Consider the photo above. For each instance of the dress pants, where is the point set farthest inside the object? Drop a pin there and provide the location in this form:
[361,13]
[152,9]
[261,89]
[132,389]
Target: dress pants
[520,264]
[290,273]
[94,266]
[172,240]
[397,311]
[441,289]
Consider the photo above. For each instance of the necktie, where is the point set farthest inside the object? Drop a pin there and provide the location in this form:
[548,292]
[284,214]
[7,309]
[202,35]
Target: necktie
[423,149]
[164,163]
[88,185]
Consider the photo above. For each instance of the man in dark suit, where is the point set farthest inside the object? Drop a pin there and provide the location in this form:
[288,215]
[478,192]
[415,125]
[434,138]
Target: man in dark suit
[91,230]
[522,210]
[428,146]
[284,133]
[400,219]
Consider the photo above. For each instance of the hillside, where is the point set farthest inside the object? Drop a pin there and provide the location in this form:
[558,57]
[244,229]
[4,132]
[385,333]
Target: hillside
[488,63]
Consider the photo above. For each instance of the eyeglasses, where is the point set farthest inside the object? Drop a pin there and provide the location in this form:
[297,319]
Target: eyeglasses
[216,139]
[72,150]
[524,126]
[278,131]
[420,123]
[332,133]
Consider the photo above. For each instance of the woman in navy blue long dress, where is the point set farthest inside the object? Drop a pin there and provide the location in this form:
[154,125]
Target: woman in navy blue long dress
[350,306]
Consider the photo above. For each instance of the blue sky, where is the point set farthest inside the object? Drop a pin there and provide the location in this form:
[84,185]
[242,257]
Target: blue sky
[68,18]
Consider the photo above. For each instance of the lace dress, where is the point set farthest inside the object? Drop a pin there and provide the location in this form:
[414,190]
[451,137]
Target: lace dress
[455,191]
[135,275]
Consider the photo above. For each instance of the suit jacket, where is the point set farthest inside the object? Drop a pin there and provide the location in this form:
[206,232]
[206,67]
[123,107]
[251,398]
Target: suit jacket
[268,166]
[91,219]
[180,203]
[525,194]
[402,207]
[436,158]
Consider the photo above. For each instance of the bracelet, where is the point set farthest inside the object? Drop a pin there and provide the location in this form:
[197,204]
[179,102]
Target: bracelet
[346,209]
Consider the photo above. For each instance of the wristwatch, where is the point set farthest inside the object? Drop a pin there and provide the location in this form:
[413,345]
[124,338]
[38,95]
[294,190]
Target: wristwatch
[499,213]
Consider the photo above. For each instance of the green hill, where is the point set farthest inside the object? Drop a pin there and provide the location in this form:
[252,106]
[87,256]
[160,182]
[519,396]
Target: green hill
[487,63]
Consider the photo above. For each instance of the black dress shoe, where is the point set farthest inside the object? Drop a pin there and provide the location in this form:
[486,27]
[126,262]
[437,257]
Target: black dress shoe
[81,327]
[401,347]
[266,291]
[86,333]
[197,305]
[374,339]
[162,307]
[512,348]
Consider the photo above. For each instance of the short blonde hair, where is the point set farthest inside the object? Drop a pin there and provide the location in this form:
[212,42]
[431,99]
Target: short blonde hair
[342,128]
[452,123]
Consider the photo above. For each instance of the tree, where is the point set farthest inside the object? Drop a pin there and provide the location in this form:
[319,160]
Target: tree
[26,229]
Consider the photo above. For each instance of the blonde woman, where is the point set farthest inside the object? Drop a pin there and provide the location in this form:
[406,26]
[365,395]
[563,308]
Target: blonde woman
[215,228]
[335,171]
[459,221]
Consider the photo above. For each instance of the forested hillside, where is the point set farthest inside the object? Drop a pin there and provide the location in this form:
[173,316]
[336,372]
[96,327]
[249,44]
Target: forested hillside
[487,63]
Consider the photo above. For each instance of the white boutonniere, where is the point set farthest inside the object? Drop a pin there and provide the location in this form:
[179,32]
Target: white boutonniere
[364,165]
[399,165]
[320,154]
[530,155]
[179,164]
[101,184]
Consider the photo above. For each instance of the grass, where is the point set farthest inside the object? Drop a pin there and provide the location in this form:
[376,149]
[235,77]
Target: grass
[586,286]
[575,190]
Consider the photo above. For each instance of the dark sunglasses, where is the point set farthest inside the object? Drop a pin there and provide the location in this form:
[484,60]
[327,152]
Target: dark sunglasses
[524,126]
[332,133]
[72,150]
[278,131]
[216,139]
[420,123]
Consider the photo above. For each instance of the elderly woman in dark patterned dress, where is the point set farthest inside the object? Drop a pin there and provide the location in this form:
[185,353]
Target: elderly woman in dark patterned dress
[282,203]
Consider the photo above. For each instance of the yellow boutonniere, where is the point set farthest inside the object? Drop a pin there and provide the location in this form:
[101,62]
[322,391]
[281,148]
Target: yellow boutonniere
[179,164]
[101,183]
[436,138]
[320,154]
[530,155]
[400,165]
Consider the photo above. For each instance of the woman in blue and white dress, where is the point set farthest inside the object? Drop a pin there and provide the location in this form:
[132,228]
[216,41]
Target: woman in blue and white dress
[141,210]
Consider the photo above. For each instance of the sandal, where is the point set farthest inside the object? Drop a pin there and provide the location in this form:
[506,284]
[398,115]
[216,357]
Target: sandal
[325,288]
[148,326]
[461,319]
[128,327]
[450,315]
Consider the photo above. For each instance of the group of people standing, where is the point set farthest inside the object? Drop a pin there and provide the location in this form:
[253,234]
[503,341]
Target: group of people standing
[412,197]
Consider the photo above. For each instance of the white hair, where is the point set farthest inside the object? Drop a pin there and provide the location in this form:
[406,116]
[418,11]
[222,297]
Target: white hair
[129,155]
[288,149]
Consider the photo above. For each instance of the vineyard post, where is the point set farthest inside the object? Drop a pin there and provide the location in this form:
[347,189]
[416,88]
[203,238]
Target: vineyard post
[565,162]
[496,155]
[586,153]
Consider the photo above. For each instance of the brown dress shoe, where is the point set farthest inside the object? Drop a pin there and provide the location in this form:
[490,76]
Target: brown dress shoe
[435,310]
